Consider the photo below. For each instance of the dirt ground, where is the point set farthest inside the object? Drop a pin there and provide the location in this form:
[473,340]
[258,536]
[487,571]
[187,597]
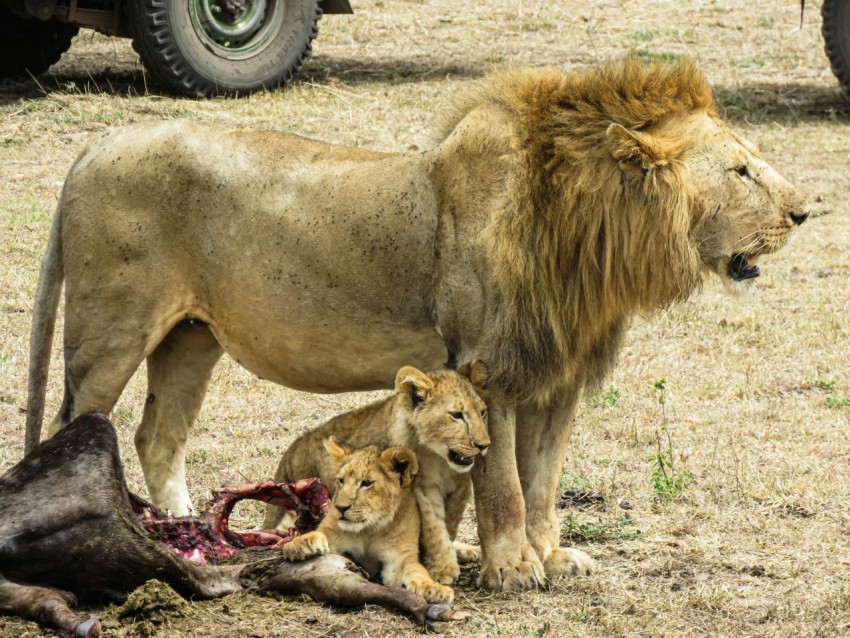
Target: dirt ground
[748,533]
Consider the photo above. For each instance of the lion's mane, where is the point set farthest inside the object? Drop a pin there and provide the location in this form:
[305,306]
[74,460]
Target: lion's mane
[578,247]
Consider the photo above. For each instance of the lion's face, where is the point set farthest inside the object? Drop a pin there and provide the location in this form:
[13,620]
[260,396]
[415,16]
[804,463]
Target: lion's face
[446,412]
[747,208]
[371,484]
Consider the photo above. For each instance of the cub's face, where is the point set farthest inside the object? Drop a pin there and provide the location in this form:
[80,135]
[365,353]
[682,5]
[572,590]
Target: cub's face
[447,412]
[371,484]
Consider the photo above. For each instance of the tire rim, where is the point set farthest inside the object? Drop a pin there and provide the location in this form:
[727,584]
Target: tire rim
[236,29]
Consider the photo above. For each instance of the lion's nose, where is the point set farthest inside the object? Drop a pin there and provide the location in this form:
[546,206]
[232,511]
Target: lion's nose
[342,509]
[799,218]
[482,447]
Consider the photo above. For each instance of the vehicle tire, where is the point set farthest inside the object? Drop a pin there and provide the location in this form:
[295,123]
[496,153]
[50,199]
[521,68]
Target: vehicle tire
[203,48]
[29,46]
[836,35]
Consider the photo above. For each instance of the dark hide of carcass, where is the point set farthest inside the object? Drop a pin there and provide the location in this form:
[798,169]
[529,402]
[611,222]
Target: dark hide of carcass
[69,529]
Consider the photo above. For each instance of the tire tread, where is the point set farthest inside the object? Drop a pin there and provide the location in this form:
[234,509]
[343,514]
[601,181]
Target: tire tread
[153,41]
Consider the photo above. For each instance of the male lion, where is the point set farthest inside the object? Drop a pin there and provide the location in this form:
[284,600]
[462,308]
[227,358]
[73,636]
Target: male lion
[374,519]
[553,209]
[441,417]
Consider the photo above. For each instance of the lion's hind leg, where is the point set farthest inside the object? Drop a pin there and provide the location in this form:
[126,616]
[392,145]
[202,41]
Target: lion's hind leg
[99,363]
[179,371]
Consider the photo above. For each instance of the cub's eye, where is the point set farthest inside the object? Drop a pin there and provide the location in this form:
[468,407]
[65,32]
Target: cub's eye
[484,414]
[340,481]
[743,171]
[457,416]
[366,484]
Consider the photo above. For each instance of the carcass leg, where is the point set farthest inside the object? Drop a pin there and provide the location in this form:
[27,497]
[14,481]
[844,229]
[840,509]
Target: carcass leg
[335,580]
[47,606]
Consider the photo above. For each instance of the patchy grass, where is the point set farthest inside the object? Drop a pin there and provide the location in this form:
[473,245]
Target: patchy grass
[755,385]
[574,530]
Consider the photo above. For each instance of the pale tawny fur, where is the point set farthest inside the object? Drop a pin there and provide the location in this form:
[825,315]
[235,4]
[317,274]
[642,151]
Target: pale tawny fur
[442,417]
[553,208]
[374,519]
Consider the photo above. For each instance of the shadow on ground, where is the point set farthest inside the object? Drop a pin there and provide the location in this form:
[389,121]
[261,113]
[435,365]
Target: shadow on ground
[107,82]
[786,103]
[321,70]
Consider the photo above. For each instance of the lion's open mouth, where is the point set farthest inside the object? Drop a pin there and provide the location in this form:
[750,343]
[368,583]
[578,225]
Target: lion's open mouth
[459,459]
[742,267]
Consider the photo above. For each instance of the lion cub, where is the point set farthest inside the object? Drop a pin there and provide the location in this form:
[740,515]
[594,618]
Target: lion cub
[443,419]
[374,519]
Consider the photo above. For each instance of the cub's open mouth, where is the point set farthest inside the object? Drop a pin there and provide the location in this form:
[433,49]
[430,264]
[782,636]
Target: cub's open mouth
[741,268]
[459,459]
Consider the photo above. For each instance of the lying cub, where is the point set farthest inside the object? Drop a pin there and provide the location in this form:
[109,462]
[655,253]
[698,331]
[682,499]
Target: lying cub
[374,519]
[442,418]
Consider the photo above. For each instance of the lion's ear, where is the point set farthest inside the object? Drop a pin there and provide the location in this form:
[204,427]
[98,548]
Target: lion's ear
[476,372]
[338,450]
[634,150]
[401,462]
[415,384]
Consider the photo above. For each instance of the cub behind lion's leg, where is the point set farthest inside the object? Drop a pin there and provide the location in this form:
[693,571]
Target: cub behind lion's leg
[443,418]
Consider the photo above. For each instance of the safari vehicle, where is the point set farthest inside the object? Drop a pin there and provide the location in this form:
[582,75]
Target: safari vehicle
[196,48]
[836,35]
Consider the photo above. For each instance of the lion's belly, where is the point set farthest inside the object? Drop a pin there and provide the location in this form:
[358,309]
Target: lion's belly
[322,358]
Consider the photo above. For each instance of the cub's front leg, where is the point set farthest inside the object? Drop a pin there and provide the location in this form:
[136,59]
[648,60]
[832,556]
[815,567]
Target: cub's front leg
[404,570]
[306,546]
[440,559]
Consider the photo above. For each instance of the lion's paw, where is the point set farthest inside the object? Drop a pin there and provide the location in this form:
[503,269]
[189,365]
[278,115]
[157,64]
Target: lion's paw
[519,575]
[306,546]
[566,561]
[445,570]
[431,591]
[467,553]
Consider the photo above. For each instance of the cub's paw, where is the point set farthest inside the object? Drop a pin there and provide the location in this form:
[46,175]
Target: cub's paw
[306,546]
[445,570]
[467,553]
[566,561]
[431,591]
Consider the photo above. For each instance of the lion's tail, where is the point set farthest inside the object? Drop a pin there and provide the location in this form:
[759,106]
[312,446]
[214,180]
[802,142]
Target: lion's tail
[43,325]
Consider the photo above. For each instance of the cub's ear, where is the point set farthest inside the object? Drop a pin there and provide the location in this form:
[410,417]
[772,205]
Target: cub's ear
[338,450]
[634,150]
[415,384]
[400,461]
[476,372]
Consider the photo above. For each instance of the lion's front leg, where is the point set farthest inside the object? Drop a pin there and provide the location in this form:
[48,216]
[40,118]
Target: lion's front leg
[508,561]
[541,449]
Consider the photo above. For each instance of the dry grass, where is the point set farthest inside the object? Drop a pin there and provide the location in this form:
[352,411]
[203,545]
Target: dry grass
[757,541]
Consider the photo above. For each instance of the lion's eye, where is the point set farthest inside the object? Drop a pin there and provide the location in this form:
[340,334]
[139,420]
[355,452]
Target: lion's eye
[484,414]
[366,484]
[340,481]
[743,171]
[457,416]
